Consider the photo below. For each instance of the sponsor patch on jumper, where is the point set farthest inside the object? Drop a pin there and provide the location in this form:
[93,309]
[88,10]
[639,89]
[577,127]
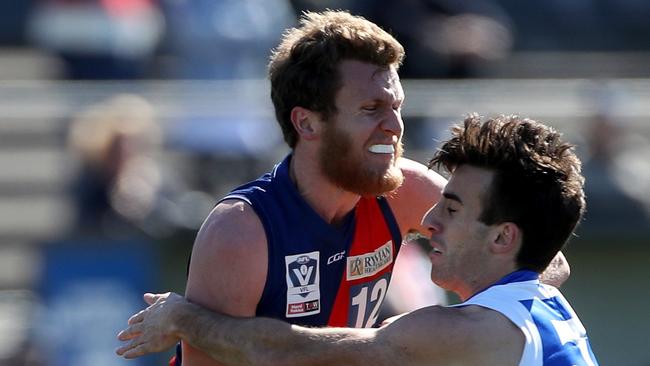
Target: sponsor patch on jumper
[366,265]
[303,278]
[302,309]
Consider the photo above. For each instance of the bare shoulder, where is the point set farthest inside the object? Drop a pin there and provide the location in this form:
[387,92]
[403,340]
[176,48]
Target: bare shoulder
[232,225]
[421,189]
[229,260]
[228,266]
[469,335]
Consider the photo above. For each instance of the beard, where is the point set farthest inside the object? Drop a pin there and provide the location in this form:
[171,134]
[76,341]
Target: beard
[349,172]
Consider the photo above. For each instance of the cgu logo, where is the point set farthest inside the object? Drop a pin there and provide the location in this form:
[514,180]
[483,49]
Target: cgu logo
[336,257]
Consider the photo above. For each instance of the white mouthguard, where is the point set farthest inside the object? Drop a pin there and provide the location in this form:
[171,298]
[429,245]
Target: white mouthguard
[382,149]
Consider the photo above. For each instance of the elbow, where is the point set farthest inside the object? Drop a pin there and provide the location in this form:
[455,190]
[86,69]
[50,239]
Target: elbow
[563,269]
[557,272]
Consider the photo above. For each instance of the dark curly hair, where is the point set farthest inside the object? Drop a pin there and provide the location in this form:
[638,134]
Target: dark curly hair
[304,68]
[537,184]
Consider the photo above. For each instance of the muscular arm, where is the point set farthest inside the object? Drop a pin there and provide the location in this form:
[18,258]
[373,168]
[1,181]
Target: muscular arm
[228,267]
[434,335]
[266,341]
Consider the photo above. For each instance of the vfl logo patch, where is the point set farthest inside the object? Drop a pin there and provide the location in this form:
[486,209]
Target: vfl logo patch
[366,265]
[303,278]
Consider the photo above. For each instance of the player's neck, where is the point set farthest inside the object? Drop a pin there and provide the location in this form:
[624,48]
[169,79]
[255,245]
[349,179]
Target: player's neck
[329,201]
[482,279]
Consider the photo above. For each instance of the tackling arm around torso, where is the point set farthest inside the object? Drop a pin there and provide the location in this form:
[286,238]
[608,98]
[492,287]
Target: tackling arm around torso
[435,335]
[228,267]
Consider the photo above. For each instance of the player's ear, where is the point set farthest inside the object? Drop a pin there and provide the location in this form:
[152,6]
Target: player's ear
[506,238]
[306,122]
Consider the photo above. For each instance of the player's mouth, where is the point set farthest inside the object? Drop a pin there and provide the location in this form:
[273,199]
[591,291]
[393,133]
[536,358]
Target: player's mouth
[382,149]
[435,254]
[435,248]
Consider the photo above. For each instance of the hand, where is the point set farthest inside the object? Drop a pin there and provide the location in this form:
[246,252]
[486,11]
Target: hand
[152,329]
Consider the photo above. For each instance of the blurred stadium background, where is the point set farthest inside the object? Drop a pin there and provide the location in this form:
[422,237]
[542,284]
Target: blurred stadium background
[122,121]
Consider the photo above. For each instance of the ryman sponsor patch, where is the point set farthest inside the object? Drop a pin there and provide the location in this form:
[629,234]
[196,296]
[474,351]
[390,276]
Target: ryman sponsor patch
[303,279]
[366,265]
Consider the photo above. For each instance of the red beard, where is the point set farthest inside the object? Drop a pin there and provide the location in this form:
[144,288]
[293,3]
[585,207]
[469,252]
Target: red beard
[349,172]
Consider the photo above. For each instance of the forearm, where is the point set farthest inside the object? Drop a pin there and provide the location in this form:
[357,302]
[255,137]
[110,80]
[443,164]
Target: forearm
[214,334]
[264,341]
